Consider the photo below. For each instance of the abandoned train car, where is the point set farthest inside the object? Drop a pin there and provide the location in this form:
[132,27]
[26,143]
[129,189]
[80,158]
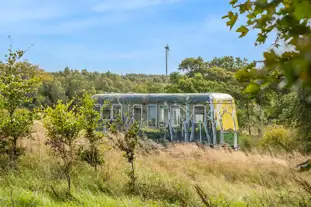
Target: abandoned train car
[204,117]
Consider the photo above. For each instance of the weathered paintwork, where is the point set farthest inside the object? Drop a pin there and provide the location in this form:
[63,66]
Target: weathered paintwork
[181,98]
[219,113]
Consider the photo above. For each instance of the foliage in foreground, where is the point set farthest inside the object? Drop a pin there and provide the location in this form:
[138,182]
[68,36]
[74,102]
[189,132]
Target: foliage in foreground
[91,123]
[291,21]
[279,138]
[165,179]
[127,140]
[18,81]
[63,125]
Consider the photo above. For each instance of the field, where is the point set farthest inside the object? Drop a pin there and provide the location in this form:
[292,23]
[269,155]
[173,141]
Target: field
[167,176]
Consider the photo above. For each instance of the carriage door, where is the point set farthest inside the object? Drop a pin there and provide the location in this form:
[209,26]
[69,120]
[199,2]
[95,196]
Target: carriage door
[199,116]
[175,116]
[138,113]
[163,116]
[152,115]
[116,111]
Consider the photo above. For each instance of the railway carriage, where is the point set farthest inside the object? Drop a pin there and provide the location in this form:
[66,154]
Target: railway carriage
[203,117]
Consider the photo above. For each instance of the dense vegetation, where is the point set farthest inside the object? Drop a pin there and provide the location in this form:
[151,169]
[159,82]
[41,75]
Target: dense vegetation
[82,167]
[68,171]
[268,106]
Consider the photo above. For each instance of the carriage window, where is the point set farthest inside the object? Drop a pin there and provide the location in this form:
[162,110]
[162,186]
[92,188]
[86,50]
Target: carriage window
[137,113]
[199,113]
[106,112]
[97,108]
[152,115]
[116,111]
[163,115]
[175,115]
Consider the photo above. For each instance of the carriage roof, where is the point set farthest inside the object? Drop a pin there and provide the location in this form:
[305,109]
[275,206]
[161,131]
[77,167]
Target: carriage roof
[144,98]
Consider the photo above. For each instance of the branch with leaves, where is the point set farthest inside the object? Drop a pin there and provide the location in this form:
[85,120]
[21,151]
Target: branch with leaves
[290,20]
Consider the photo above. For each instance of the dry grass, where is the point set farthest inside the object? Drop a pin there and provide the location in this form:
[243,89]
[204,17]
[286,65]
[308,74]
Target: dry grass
[167,176]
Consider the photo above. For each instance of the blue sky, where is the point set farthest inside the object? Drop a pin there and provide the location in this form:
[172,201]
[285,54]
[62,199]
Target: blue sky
[122,36]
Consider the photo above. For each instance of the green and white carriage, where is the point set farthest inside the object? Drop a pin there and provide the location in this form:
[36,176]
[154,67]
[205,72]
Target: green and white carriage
[203,117]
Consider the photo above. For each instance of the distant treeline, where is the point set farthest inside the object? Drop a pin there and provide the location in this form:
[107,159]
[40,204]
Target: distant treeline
[235,76]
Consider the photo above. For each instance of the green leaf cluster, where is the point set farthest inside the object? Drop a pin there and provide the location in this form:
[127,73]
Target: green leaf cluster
[290,19]
[18,83]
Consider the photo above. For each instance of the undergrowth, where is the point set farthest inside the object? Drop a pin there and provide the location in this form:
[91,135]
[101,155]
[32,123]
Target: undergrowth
[180,175]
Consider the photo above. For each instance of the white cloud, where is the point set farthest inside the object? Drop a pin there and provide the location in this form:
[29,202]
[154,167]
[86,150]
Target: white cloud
[15,11]
[55,17]
[63,27]
[129,5]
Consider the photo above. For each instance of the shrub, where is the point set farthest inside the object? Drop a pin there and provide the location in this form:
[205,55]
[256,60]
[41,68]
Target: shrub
[12,128]
[245,142]
[90,120]
[279,138]
[18,81]
[63,125]
[127,144]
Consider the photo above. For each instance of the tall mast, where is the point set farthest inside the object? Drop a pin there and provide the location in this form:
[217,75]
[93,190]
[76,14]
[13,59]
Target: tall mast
[167,49]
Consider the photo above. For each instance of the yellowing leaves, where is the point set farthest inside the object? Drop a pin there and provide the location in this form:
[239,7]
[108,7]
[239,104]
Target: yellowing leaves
[243,30]
[271,59]
[232,2]
[302,9]
[232,18]
[246,6]
[252,88]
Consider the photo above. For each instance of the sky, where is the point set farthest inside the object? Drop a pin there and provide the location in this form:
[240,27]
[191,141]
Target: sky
[120,36]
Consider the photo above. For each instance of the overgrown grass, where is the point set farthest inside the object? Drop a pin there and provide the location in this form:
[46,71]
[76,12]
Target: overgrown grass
[166,177]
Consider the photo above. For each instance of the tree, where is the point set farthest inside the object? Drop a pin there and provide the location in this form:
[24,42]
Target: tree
[192,66]
[12,128]
[290,20]
[91,123]
[63,124]
[280,138]
[228,62]
[127,140]
[18,82]
[301,117]
[50,92]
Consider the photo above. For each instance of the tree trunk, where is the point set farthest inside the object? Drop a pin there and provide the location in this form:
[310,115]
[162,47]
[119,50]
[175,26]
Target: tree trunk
[259,132]
[69,182]
[133,169]
[67,173]
[248,117]
[14,150]
[132,177]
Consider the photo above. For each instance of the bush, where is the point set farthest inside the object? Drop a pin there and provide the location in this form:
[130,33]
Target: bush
[245,142]
[92,156]
[90,120]
[13,127]
[18,81]
[279,138]
[63,126]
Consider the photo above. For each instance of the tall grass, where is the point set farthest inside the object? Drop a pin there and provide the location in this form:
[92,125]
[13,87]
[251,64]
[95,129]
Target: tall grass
[178,175]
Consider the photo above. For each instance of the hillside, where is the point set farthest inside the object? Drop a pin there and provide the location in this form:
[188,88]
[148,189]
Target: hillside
[166,177]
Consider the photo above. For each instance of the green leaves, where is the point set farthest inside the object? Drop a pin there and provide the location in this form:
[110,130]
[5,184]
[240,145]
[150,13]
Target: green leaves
[233,2]
[18,83]
[302,9]
[232,18]
[271,59]
[16,126]
[245,7]
[289,18]
[252,88]
[261,38]
[243,30]
[63,123]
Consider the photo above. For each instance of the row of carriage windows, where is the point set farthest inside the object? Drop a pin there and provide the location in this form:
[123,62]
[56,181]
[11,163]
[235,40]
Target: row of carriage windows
[154,116]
